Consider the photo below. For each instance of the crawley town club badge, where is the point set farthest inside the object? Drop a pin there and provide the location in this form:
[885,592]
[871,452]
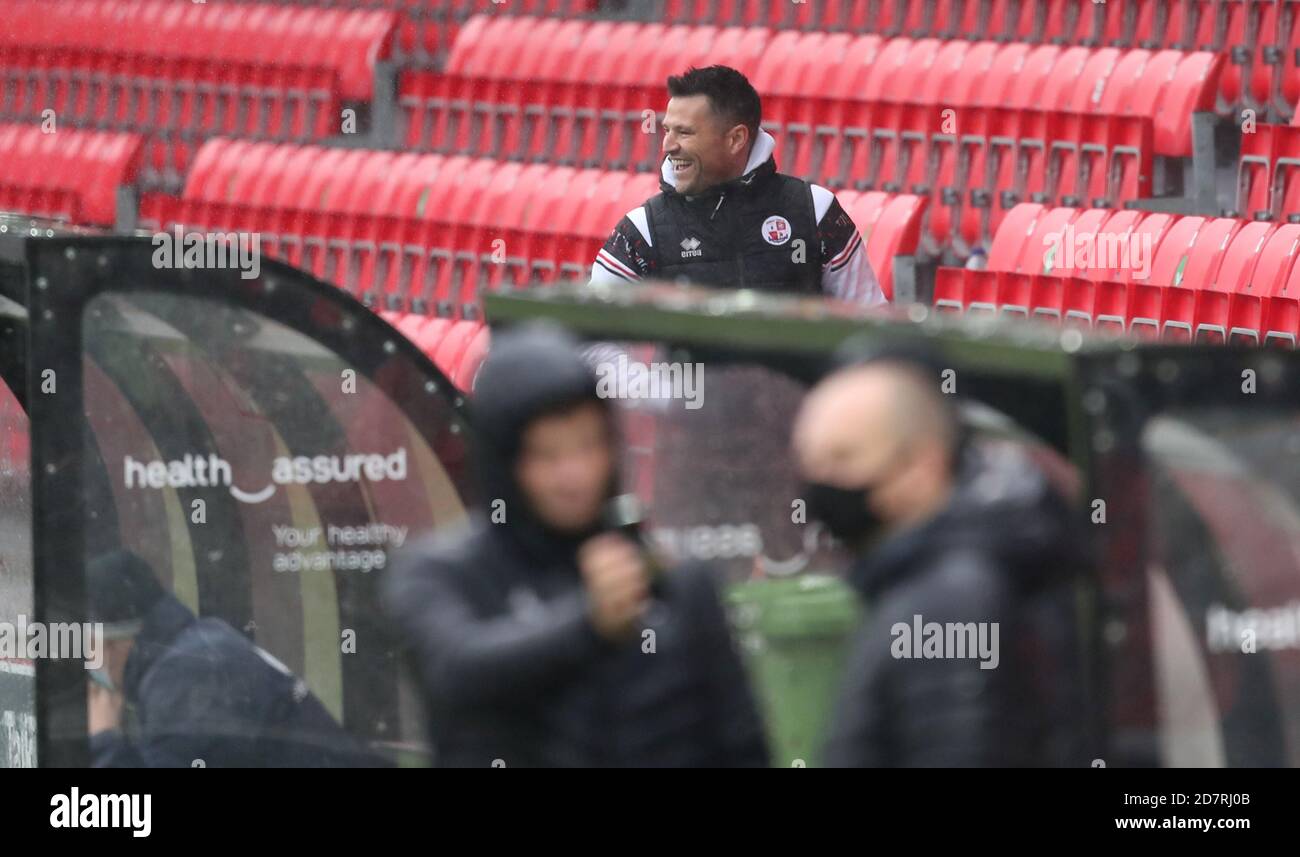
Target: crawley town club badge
[776,230]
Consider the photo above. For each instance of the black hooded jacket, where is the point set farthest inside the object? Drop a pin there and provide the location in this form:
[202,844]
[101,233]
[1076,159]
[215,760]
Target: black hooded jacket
[496,618]
[1002,551]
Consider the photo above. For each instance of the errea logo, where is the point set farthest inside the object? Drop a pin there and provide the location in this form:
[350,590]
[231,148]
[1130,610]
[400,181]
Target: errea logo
[691,247]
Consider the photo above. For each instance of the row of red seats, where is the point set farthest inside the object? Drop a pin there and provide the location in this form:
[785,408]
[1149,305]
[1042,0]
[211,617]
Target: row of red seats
[346,41]
[1147,310]
[177,102]
[68,174]
[456,346]
[1225,253]
[974,162]
[1180,257]
[405,230]
[1260,36]
[594,66]
[55,203]
[428,28]
[1182,24]
[1268,175]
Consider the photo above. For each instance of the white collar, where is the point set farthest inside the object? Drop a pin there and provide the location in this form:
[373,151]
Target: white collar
[763,148]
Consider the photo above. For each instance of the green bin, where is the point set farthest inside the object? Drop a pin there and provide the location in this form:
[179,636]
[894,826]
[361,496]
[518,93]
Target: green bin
[794,634]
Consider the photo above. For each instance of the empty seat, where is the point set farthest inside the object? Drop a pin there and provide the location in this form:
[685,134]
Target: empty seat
[72,174]
[180,73]
[1268,174]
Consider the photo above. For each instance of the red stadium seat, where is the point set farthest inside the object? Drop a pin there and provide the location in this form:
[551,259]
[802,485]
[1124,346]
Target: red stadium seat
[1211,316]
[1173,252]
[1007,74]
[1240,257]
[1015,294]
[950,290]
[1276,258]
[1010,238]
[1110,307]
[431,335]
[1039,252]
[72,174]
[1281,321]
[1144,309]
[453,344]
[1192,87]
[889,227]
[1145,240]
[1255,173]
[1208,252]
[1078,297]
[1245,319]
[1116,248]
[1047,298]
[466,369]
[1177,313]
[981,292]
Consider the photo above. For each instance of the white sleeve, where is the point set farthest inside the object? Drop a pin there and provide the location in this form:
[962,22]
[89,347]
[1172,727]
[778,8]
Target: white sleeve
[849,276]
[846,271]
[623,257]
[602,272]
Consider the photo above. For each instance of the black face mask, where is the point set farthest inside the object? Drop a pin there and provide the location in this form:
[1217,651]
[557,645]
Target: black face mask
[844,511]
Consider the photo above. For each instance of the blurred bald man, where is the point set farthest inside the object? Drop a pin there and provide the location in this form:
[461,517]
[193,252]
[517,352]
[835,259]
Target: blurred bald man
[966,563]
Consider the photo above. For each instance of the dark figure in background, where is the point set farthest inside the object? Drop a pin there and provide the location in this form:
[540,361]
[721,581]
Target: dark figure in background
[201,693]
[969,537]
[541,637]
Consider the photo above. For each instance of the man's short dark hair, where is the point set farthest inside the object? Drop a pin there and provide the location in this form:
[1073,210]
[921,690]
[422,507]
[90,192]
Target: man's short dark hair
[731,95]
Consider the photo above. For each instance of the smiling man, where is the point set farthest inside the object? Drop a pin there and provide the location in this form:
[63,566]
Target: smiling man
[725,216]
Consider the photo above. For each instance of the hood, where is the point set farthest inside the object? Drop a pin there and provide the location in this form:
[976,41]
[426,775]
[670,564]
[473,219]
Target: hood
[1002,504]
[530,370]
[761,163]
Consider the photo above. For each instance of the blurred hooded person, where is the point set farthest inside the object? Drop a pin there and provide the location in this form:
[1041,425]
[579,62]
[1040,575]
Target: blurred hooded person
[539,634]
[196,690]
[965,561]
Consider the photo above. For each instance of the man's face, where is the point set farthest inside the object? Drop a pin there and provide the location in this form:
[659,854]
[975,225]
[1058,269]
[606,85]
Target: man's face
[565,466]
[702,151]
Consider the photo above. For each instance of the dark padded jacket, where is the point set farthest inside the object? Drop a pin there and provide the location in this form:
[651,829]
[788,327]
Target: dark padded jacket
[496,620]
[204,695]
[1003,551]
